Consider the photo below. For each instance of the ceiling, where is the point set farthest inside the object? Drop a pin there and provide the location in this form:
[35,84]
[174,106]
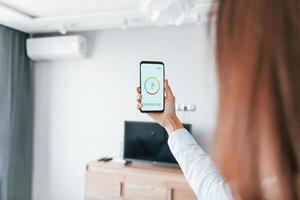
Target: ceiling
[45,16]
[57,8]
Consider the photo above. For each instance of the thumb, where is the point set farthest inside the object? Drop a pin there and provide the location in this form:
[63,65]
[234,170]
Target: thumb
[168,89]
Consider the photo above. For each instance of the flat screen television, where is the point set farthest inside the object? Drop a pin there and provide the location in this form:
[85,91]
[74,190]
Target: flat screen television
[147,141]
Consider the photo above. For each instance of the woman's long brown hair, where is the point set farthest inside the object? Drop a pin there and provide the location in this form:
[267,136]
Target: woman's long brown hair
[258,59]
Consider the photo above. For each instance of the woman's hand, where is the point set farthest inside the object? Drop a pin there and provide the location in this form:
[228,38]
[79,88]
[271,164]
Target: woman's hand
[168,118]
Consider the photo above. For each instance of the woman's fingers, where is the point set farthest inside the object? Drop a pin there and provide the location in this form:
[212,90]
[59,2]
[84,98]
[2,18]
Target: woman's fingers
[139,97]
[138,89]
[139,106]
[168,89]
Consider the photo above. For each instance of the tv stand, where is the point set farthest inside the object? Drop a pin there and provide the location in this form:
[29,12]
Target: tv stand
[127,162]
[137,181]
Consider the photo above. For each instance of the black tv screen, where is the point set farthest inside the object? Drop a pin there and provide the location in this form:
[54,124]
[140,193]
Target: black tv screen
[147,141]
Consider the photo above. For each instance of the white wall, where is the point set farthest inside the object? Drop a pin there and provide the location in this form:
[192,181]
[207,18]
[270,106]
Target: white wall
[80,105]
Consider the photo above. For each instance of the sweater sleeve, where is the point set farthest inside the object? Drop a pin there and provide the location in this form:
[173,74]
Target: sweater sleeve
[198,168]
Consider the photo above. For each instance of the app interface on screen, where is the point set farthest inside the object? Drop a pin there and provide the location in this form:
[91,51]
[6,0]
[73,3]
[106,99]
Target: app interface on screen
[152,86]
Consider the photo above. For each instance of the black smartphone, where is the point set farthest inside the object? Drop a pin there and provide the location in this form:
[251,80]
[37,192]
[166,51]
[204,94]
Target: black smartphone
[152,76]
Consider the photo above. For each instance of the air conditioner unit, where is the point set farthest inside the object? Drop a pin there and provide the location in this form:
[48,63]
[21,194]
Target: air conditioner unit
[56,48]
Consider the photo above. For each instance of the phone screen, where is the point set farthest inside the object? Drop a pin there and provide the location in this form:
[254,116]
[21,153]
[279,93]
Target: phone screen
[152,86]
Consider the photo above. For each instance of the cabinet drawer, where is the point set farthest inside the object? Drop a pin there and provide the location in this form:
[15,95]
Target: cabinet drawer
[181,191]
[144,189]
[100,186]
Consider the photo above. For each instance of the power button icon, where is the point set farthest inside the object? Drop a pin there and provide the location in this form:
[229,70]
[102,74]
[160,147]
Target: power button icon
[152,85]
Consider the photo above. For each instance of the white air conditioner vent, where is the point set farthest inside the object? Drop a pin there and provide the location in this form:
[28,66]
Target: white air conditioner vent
[56,48]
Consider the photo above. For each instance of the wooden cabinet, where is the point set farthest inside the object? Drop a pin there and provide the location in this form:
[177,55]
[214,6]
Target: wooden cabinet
[136,188]
[112,181]
[180,191]
[103,186]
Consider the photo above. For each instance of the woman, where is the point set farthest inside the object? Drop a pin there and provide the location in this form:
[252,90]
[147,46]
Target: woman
[257,140]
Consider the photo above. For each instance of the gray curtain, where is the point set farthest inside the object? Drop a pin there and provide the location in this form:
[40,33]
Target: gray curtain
[15,117]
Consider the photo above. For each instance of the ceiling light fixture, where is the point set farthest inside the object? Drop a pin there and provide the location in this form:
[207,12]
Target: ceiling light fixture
[124,24]
[167,12]
[63,29]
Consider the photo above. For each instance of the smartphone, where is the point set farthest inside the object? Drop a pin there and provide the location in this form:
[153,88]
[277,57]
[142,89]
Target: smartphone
[152,76]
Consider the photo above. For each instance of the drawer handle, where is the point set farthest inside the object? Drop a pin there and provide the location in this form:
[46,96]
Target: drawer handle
[121,188]
[170,194]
